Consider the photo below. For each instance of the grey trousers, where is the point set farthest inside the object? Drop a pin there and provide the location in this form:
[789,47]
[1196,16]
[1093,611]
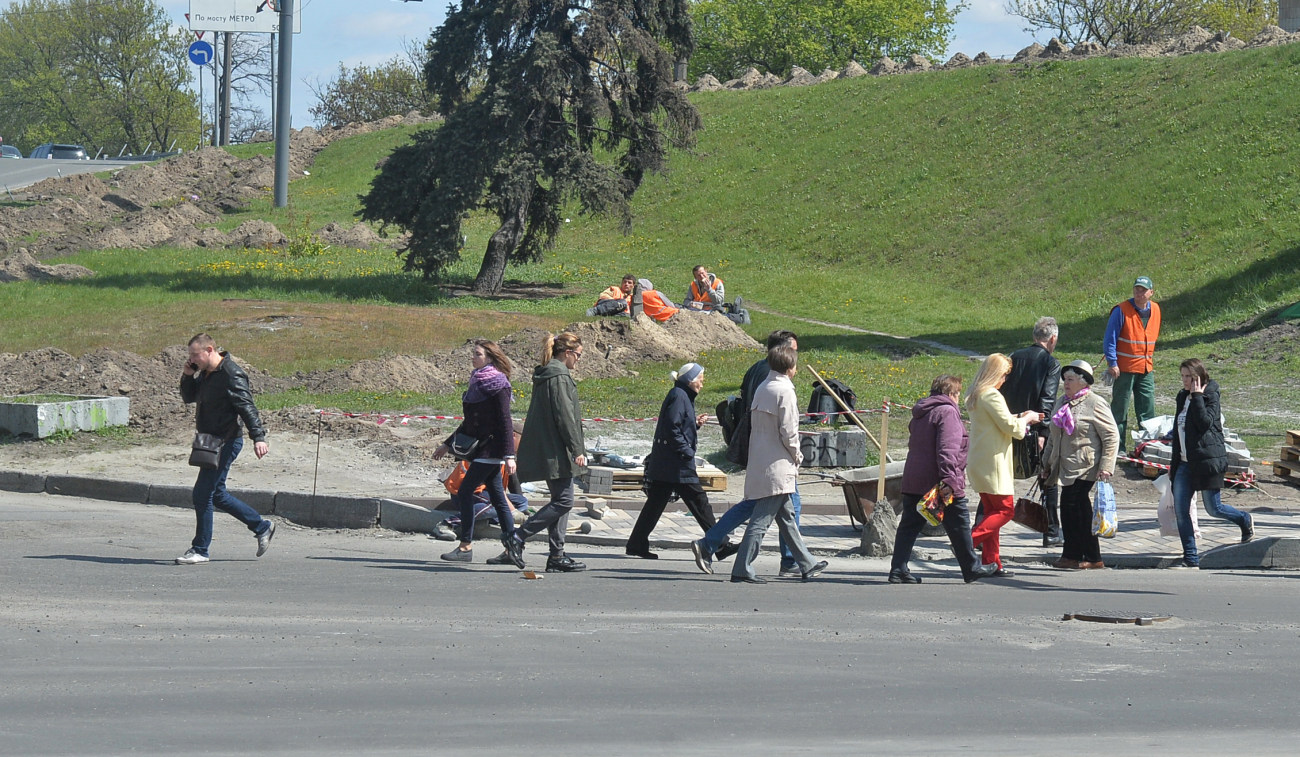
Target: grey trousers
[778,508]
[553,517]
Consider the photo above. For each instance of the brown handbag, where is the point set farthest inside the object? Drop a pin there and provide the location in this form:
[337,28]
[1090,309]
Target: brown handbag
[1030,512]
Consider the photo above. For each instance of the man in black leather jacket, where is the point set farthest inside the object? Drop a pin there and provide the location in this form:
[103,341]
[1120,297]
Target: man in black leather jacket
[224,406]
[1032,385]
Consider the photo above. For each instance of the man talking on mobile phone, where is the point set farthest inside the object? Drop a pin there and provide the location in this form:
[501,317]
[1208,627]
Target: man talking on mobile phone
[223,406]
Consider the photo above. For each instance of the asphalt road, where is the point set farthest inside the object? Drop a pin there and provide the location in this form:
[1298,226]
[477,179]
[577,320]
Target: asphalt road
[17,174]
[363,643]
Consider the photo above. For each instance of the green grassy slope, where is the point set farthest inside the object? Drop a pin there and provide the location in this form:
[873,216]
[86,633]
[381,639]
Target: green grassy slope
[954,206]
[960,205]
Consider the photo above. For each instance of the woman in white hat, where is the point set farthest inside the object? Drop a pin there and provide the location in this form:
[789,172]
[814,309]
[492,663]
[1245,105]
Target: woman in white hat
[1080,451]
[670,467]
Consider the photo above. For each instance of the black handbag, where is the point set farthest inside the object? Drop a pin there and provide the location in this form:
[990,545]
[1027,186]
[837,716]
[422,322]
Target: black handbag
[205,453]
[465,447]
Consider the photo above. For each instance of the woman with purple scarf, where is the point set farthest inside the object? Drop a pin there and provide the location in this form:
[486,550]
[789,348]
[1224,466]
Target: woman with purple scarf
[486,405]
[1080,451]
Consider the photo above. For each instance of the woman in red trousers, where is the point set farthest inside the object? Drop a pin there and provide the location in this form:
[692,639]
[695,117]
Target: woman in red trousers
[988,465]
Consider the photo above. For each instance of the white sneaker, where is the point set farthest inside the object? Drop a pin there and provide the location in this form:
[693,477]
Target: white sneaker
[264,540]
[191,558]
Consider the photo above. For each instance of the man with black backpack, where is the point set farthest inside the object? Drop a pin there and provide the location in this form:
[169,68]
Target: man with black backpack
[738,453]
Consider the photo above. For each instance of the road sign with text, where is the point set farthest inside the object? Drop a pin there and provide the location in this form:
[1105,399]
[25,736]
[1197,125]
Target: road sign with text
[258,16]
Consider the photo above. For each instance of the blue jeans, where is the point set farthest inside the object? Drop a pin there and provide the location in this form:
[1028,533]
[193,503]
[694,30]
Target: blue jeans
[489,475]
[738,514]
[1182,486]
[210,491]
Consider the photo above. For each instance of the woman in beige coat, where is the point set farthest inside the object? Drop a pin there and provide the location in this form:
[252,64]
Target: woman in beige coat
[988,465]
[773,469]
[1080,452]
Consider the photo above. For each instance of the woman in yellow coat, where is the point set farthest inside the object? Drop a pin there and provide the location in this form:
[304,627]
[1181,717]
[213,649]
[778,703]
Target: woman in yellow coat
[988,465]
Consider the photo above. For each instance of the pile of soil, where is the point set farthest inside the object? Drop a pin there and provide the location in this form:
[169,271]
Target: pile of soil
[610,345]
[174,202]
[21,266]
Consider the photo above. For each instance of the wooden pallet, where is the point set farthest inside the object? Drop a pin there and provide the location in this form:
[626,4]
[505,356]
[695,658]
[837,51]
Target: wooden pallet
[711,479]
[1289,464]
[1287,469]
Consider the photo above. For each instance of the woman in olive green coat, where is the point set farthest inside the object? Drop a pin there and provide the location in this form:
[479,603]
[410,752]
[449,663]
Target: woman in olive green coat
[552,448]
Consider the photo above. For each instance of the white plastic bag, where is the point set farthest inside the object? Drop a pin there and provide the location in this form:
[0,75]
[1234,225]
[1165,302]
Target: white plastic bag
[1105,520]
[1165,510]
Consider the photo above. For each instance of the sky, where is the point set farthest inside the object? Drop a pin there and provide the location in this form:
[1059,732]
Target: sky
[370,32]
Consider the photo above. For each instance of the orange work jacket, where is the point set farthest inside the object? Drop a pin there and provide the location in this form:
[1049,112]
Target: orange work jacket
[458,474]
[1136,345]
[615,293]
[655,307]
[698,296]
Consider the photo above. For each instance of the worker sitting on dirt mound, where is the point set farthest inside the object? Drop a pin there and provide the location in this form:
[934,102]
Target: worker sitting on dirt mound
[617,300]
[652,302]
[706,294]
[706,291]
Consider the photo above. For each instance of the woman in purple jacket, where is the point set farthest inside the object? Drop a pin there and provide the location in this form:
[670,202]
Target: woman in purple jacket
[936,454]
[486,404]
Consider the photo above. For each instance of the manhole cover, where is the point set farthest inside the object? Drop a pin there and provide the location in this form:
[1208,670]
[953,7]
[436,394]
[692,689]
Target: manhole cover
[1113,616]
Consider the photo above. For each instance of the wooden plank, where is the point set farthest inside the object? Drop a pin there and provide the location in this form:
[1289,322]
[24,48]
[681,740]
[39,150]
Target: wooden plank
[1291,453]
[712,479]
[1286,467]
[1293,438]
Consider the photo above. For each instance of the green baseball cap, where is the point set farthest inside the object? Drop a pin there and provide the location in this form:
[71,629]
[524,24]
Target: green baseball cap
[1144,282]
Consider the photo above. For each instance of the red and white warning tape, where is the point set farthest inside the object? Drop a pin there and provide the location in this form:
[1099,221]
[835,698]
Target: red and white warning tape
[1241,479]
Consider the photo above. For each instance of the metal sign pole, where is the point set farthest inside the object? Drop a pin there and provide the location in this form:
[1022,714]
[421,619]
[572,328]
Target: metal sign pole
[282,118]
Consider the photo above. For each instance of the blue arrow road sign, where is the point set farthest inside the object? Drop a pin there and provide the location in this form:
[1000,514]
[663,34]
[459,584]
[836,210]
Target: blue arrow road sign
[200,53]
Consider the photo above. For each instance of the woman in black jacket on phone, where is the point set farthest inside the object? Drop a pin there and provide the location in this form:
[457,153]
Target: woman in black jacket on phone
[1200,459]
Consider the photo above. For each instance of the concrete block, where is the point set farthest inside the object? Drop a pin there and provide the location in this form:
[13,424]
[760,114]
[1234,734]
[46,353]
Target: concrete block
[171,495]
[41,419]
[851,448]
[598,480]
[842,448]
[17,481]
[261,500]
[327,511]
[97,488]
[1274,552]
[403,516]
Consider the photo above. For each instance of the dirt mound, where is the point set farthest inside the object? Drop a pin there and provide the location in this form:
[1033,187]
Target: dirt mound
[172,202]
[360,236]
[151,383]
[610,346]
[401,373]
[21,266]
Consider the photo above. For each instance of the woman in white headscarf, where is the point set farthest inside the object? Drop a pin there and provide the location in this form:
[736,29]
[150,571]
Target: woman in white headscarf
[670,466]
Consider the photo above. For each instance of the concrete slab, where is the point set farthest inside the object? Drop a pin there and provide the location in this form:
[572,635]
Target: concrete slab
[327,511]
[403,516]
[171,495]
[98,488]
[17,481]
[1274,552]
[261,500]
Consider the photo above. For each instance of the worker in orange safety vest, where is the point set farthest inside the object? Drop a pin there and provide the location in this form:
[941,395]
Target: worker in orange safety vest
[1129,347]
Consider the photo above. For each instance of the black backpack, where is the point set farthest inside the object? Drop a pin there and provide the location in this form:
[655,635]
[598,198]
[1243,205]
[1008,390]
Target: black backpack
[822,407]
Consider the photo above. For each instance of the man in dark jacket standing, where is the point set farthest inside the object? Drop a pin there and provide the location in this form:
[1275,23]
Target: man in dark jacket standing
[1032,385]
[224,406]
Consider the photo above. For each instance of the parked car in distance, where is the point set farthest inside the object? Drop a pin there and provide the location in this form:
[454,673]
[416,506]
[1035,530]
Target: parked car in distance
[60,152]
[9,151]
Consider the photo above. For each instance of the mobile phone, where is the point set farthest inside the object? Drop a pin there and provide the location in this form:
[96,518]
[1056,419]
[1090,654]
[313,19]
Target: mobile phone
[194,366]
